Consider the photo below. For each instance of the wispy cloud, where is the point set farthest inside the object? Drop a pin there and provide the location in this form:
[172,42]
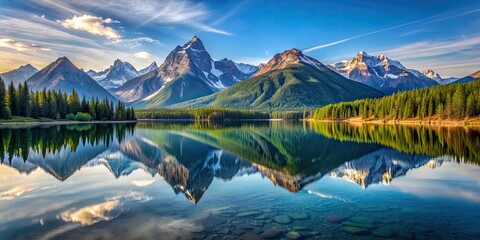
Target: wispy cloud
[17,191]
[439,17]
[20,46]
[185,12]
[370,33]
[144,55]
[433,48]
[135,42]
[449,57]
[81,48]
[92,24]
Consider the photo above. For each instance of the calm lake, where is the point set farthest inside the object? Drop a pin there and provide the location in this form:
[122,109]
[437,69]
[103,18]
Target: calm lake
[278,180]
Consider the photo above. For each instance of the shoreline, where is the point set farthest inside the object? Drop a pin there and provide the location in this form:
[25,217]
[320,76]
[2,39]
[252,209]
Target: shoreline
[206,120]
[59,123]
[446,123]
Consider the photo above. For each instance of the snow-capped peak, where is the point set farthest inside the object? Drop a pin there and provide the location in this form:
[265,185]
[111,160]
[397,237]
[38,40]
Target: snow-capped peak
[431,74]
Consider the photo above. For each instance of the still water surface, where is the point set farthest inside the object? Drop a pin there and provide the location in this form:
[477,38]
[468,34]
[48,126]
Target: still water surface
[239,181]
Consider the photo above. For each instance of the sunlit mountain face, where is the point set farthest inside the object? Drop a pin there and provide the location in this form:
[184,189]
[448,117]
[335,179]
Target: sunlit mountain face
[93,176]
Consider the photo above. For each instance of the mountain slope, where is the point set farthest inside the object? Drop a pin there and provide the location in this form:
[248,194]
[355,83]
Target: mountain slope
[19,75]
[290,81]
[188,72]
[472,77]
[64,75]
[382,73]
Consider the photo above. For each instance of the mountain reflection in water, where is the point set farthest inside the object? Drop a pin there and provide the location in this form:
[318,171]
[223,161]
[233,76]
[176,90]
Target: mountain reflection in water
[190,156]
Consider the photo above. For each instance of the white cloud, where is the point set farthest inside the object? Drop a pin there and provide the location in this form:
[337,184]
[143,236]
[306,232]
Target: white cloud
[17,191]
[104,211]
[92,24]
[183,12]
[135,42]
[20,46]
[143,182]
[144,55]
[91,214]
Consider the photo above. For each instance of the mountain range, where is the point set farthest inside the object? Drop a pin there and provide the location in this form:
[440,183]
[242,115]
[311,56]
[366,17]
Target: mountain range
[188,72]
[383,74]
[118,74]
[63,75]
[290,80]
[190,78]
[190,160]
[19,75]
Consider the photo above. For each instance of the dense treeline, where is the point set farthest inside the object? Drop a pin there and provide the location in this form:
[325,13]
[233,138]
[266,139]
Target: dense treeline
[201,114]
[20,101]
[43,140]
[462,143]
[453,101]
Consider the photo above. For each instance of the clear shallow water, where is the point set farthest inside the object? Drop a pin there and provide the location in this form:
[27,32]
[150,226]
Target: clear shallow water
[231,181]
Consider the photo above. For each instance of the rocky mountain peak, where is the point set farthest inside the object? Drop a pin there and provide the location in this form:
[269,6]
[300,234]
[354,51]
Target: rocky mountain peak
[431,74]
[283,60]
[62,62]
[195,43]
[475,74]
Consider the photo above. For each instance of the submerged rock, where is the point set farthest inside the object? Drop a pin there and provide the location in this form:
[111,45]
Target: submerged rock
[282,219]
[293,235]
[383,232]
[335,219]
[355,230]
[251,236]
[361,220]
[271,233]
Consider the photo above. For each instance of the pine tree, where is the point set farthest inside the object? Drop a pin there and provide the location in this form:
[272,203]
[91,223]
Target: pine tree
[23,100]
[91,107]
[84,104]
[3,103]
[12,99]
[459,102]
[74,102]
[471,108]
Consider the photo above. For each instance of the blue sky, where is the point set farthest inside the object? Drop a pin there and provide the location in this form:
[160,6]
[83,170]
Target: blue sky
[440,35]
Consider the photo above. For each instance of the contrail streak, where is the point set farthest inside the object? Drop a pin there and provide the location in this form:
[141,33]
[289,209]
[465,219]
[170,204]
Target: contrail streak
[384,29]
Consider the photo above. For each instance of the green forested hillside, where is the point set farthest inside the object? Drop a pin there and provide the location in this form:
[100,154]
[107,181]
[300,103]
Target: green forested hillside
[454,101]
[297,87]
[183,88]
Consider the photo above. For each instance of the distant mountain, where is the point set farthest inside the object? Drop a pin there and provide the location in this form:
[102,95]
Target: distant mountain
[435,76]
[472,77]
[247,68]
[188,72]
[382,73]
[290,80]
[114,76]
[148,69]
[19,75]
[64,75]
